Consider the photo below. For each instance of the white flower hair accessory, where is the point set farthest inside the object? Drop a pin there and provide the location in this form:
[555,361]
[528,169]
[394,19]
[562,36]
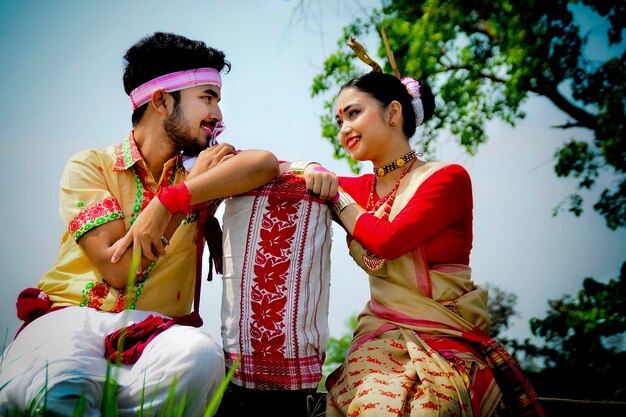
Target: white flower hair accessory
[413,87]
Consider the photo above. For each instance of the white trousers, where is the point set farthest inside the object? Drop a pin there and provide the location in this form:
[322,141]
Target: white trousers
[62,353]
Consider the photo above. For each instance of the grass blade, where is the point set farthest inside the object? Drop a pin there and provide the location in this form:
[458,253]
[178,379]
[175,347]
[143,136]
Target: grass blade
[217,397]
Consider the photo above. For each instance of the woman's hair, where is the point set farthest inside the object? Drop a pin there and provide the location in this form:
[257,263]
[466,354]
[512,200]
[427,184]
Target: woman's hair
[386,88]
[163,53]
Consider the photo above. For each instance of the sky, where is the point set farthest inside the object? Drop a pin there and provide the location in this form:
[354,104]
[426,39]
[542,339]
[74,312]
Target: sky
[60,78]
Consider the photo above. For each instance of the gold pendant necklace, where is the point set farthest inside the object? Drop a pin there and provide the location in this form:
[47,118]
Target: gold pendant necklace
[371,261]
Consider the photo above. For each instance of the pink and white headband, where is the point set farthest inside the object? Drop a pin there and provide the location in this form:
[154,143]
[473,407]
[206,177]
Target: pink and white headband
[175,81]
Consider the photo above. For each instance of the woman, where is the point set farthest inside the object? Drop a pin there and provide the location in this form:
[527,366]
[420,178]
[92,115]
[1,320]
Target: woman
[421,344]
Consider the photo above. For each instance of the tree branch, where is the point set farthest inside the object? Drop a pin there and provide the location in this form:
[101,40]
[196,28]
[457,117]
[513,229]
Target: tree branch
[582,117]
[567,125]
[448,68]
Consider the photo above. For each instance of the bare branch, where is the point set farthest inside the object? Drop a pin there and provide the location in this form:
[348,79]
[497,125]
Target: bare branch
[582,117]
[567,125]
[450,68]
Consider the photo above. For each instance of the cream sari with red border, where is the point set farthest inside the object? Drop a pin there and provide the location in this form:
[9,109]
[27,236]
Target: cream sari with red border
[392,367]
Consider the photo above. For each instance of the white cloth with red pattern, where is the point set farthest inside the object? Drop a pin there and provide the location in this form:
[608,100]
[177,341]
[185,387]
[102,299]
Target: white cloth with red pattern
[276,285]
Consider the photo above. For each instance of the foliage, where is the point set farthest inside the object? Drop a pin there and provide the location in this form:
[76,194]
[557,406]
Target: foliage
[501,308]
[219,393]
[337,348]
[173,407]
[585,345]
[484,58]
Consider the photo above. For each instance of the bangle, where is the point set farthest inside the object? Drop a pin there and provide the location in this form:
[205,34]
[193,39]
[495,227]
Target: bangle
[175,198]
[298,167]
[344,201]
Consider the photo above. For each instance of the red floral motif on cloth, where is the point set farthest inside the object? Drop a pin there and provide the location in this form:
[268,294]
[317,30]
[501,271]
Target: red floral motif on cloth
[277,272]
[120,303]
[148,194]
[100,213]
[127,154]
[95,294]
[271,267]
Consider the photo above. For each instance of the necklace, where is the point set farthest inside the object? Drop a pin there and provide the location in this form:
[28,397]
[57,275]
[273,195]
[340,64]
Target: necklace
[398,163]
[371,261]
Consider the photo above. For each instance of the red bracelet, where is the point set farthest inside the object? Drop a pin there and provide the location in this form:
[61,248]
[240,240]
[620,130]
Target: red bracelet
[175,198]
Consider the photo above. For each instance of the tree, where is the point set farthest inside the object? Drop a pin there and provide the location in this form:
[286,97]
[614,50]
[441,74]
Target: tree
[501,308]
[585,346]
[337,348]
[484,58]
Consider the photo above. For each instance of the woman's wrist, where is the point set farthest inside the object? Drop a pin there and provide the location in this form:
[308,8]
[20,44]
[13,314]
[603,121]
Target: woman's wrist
[341,201]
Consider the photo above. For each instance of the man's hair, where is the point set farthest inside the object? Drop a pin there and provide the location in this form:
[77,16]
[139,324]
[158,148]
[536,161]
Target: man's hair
[163,53]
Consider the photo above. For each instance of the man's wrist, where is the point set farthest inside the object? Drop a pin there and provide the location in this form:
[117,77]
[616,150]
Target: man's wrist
[175,198]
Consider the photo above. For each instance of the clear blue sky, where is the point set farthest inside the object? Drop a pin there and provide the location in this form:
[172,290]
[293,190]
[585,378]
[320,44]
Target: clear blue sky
[60,78]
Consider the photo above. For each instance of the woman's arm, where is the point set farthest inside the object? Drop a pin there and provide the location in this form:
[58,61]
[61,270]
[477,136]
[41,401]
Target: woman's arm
[443,199]
[319,181]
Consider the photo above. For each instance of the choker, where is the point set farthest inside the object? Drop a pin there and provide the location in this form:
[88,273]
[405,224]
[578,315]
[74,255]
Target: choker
[400,162]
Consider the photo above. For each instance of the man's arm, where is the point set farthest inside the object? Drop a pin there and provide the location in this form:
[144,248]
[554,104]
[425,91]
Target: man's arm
[99,245]
[234,175]
[241,173]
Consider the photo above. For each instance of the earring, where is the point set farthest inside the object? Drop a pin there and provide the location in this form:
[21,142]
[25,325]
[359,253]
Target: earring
[393,123]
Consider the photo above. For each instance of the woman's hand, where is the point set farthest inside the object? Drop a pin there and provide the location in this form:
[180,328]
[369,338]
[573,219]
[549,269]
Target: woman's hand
[146,234]
[321,182]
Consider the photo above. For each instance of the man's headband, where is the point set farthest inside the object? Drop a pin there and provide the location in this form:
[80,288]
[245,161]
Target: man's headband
[175,81]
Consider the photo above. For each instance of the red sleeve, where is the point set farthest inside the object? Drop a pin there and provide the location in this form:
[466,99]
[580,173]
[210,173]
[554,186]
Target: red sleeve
[357,187]
[442,200]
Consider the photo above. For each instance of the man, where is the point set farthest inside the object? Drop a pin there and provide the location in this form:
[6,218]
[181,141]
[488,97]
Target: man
[57,360]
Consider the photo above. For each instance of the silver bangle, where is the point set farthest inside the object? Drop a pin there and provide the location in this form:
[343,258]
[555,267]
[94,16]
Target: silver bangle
[344,201]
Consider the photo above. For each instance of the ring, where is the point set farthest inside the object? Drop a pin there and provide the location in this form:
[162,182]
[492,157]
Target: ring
[164,241]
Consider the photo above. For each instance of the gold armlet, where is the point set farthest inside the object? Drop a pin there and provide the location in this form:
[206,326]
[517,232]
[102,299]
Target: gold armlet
[298,167]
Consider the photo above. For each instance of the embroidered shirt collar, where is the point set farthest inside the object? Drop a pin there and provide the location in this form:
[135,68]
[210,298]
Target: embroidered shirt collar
[128,155]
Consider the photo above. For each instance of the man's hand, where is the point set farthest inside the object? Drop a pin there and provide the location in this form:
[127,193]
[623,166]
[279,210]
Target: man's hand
[210,157]
[146,233]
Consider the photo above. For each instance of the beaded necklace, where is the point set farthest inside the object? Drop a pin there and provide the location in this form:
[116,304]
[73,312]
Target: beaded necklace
[398,163]
[370,260]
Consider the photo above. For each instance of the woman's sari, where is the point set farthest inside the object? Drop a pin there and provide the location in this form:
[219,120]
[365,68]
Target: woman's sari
[421,346]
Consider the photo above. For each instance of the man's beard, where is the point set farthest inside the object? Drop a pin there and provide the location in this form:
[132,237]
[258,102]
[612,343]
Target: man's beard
[178,132]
